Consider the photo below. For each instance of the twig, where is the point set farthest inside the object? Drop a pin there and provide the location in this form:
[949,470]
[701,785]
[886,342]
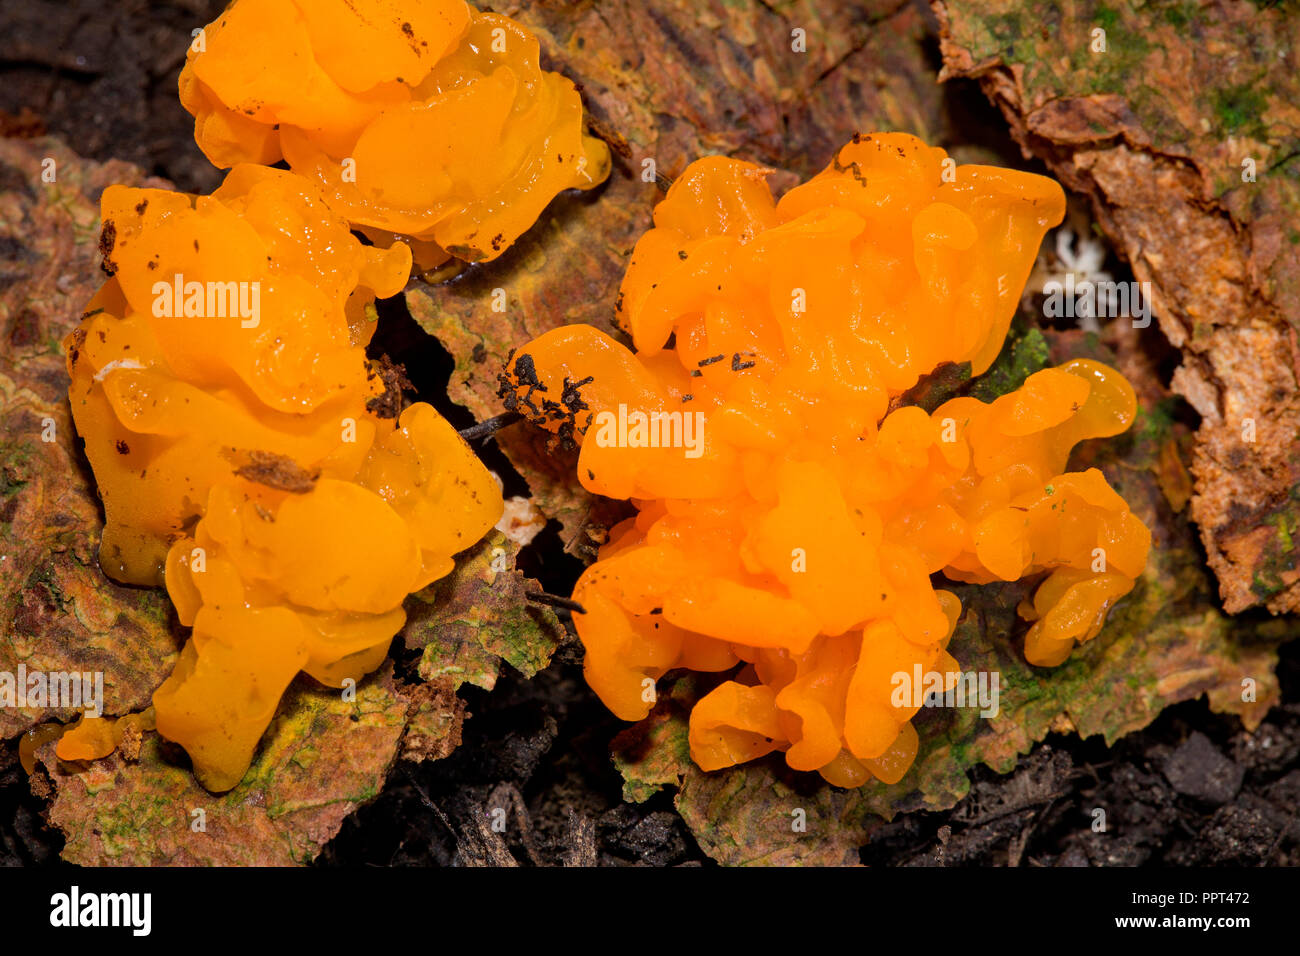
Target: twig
[554,600]
[428,802]
[490,426]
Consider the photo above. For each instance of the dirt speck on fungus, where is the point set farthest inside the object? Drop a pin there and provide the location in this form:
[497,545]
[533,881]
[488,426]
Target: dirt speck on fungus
[275,471]
[396,387]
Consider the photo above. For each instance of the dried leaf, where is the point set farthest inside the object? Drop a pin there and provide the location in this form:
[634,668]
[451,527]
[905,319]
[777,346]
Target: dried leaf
[58,612]
[434,721]
[321,758]
[758,819]
[466,624]
[757,814]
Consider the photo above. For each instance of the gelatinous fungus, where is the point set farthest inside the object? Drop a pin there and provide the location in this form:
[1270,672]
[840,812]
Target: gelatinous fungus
[791,510]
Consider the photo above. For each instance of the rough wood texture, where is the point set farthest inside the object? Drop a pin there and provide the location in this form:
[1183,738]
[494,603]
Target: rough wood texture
[1161,130]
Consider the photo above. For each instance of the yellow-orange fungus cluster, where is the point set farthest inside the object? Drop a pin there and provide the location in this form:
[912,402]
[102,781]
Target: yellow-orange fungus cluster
[791,508]
[93,737]
[251,458]
[423,119]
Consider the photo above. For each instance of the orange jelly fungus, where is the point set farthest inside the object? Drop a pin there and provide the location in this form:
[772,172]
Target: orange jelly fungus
[93,737]
[251,459]
[793,514]
[427,119]
[88,739]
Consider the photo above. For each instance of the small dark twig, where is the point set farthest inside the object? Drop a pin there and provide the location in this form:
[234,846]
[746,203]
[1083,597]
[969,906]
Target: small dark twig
[554,600]
[616,141]
[428,802]
[490,426]
[619,145]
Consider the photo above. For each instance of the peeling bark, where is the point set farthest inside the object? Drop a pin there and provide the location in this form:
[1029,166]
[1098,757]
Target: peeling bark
[1159,132]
